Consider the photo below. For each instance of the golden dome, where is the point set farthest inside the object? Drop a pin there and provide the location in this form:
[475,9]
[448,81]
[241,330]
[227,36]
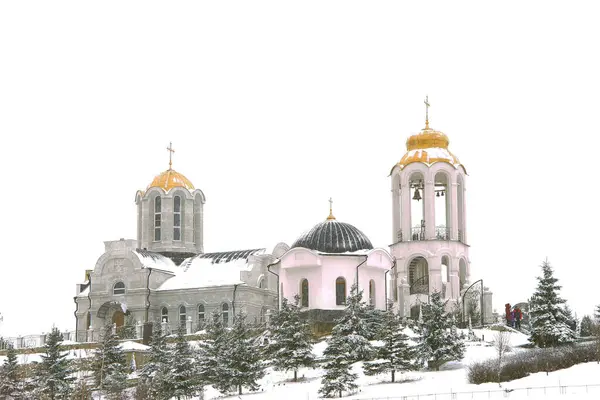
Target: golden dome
[428,146]
[170,179]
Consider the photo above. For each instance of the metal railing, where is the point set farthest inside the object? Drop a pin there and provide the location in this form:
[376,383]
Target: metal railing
[417,233]
[420,286]
[442,233]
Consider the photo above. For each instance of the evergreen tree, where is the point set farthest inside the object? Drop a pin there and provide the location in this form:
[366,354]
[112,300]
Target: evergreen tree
[11,382]
[571,319]
[110,366]
[243,365]
[211,355]
[353,326]
[181,379]
[338,377]
[587,326]
[549,324]
[53,375]
[597,314]
[152,375]
[395,354]
[82,391]
[439,341]
[291,345]
[127,331]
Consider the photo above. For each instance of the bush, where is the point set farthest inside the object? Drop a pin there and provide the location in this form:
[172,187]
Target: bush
[520,365]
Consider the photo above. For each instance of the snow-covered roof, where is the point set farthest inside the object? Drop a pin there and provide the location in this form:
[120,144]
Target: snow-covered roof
[211,269]
[84,293]
[129,346]
[150,259]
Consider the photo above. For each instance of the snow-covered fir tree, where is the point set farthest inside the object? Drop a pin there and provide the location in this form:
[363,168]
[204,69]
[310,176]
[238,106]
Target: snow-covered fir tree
[243,364]
[181,378]
[54,378]
[152,374]
[109,365]
[597,314]
[549,324]
[395,354]
[354,327]
[11,382]
[439,341]
[291,339]
[338,377]
[586,327]
[211,355]
[571,318]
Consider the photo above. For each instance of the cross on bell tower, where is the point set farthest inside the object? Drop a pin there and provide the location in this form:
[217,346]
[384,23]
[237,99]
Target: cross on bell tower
[171,151]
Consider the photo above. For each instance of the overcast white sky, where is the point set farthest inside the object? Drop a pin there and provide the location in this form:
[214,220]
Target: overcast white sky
[273,107]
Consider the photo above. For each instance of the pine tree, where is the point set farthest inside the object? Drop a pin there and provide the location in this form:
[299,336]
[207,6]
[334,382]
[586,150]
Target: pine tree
[53,375]
[182,380]
[110,366]
[395,354]
[439,341]
[291,345]
[353,325]
[152,375]
[11,383]
[549,324]
[211,355]
[338,377]
[243,364]
[587,326]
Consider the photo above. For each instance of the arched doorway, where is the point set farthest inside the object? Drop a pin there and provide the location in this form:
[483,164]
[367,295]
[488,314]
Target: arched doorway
[112,312]
[118,318]
[418,276]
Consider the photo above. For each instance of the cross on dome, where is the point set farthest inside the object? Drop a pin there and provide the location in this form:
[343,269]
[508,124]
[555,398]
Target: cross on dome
[330,217]
[171,151]
[427,105]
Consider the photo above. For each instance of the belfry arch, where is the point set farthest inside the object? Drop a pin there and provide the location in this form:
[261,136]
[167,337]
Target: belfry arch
[416,186]
[443,206]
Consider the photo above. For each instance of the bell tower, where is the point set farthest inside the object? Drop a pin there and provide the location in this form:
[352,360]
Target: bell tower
[429,222]
[170,215]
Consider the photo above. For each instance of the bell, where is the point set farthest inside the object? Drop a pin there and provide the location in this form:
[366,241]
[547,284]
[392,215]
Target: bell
[417,195]
[437,194]
[442,192]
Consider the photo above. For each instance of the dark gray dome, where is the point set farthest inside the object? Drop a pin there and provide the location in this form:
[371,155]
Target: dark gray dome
[332,236]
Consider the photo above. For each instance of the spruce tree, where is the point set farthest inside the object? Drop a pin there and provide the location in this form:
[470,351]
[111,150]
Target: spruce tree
[549,324]
[587,326]
[11,383]
[211,355]
[338,377]
[152,375]
[53,375]
[110,366]
[291,344]
[597,314]
[395,354]
[181,378]
[439,341]
[243,364]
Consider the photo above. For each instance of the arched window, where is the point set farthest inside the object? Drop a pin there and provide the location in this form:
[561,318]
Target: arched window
[88,321]
[201,313]
[372,293]
[164,315]
[119,288]
[177,218]
[157,218]
[225,309]
[261,283]
[304,293]
[182,316]
[340,291]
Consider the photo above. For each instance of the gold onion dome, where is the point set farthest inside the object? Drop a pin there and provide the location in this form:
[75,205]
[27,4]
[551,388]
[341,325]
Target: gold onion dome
[169,180]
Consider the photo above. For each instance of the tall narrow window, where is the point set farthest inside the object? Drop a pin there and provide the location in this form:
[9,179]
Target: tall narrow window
[157,218]
[182,316]
[304,293]
[340,291]
[164,315]
[119,288]
[372,293]
[177,218]
[225,309]
[201,313]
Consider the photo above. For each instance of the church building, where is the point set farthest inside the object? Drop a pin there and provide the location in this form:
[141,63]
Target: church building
[166,275]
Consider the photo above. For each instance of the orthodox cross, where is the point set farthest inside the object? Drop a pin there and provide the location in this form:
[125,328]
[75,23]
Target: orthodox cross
[426,112]
[171,151]
[331,209]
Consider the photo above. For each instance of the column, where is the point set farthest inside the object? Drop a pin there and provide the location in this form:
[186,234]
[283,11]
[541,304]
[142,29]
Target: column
[453,210]
[429,214]
[396,222]
[405,224]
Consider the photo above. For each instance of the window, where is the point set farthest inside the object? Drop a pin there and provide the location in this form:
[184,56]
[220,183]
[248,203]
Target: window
[177,218]
[119,288]
[164,315]
[372,293]
[182,316]
[88,320]
[225,309]
[157,218]
[340,291]
[261,283]
[304,293]
[201,313]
